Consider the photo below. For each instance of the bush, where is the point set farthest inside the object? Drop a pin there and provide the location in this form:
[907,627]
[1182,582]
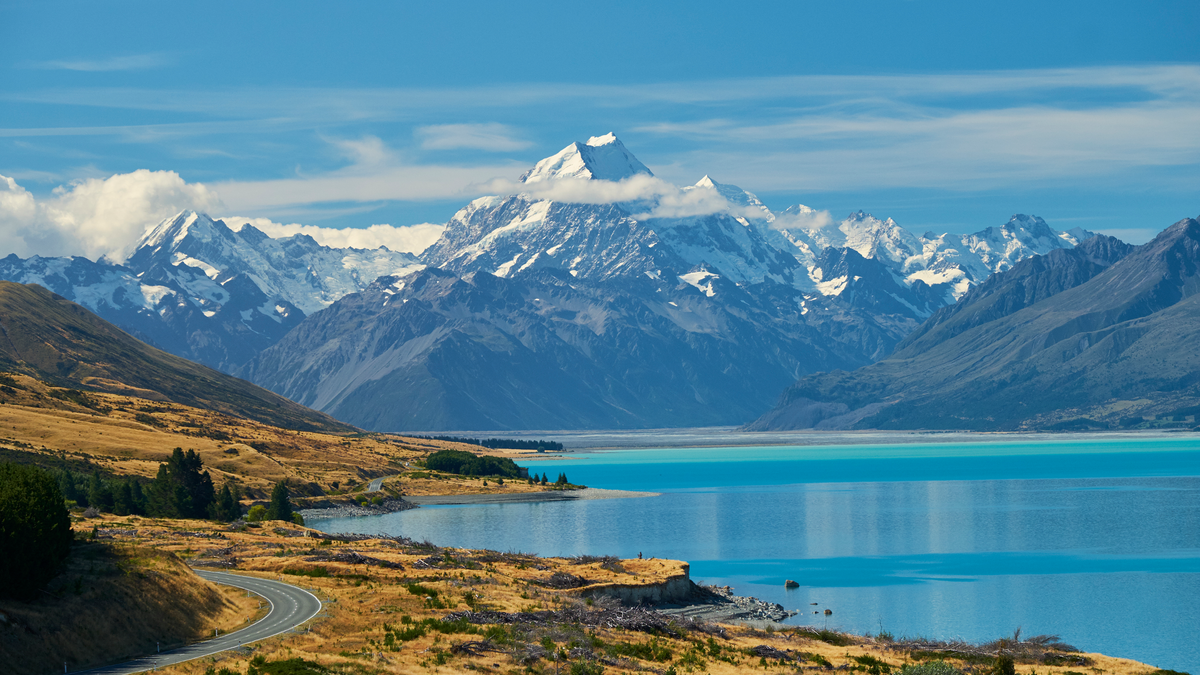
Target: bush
[587,668]
[930,668]
[35,530]
[257,513]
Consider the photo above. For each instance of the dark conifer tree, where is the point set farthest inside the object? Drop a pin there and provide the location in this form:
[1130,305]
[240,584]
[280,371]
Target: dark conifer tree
[137,498]
[66,484]
[123,499]
[99,494]
[544,480]
[35,530]
[280,507]
[225,507]
[180,490]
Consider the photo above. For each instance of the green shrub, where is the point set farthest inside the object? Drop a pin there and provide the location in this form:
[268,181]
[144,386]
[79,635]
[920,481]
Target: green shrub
[294,666]
[819,660]
[833,637]
[418,589]
[35,530]
[877,666]
[646,651]
[930,668]
[316,572]
[587,668]
[257,513]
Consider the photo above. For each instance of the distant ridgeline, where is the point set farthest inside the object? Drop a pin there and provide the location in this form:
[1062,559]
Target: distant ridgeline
[493,443]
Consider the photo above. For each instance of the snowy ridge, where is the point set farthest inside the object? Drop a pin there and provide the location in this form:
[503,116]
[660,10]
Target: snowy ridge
[746,244]
[294,269]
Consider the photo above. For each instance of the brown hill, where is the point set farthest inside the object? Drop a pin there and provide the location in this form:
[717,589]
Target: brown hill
[53,339]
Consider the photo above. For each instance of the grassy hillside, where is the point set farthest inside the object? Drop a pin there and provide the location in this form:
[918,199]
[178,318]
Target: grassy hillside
[393,605]
[113,603]
[126,435]
[53,339]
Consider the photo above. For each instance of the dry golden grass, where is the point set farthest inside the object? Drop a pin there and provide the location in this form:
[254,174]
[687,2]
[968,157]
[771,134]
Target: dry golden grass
[128,435]
[115,602]
[360,599]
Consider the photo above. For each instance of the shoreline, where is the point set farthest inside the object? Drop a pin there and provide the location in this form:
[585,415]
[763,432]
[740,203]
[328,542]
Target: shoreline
[577,442]
[416,501]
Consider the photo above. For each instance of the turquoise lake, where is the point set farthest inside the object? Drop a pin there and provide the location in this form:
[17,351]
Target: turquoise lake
[1094,539]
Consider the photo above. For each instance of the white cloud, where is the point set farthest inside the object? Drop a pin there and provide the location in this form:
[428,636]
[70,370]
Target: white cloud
[810,219]
[94,217]
[112,63]
[367,151]
[491,137]
[657,198]
[410,238]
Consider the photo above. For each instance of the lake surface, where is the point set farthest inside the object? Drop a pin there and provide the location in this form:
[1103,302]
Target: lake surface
[1094,539]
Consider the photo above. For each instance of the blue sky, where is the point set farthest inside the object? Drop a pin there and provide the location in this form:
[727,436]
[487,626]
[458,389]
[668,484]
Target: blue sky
[947,116]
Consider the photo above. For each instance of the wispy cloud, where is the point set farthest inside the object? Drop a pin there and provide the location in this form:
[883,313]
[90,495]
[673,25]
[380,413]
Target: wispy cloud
[375,173]
[957,131]
[491,137]
[802,219]
[109,64]
[649,196]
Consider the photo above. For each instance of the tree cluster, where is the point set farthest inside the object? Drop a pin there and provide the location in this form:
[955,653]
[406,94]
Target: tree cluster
[561,480]
[35,530]
[122,496]
[466,464]
[493,443]
[180,490]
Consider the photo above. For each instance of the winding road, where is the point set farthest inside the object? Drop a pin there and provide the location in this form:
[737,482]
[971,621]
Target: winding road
[290,607]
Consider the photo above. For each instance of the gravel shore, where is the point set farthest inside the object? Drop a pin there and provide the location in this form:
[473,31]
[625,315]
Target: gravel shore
[719,604]
[412,502]
[517,497]
[352,511]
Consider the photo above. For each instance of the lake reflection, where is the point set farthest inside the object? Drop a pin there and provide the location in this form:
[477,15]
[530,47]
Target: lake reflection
[1108,558]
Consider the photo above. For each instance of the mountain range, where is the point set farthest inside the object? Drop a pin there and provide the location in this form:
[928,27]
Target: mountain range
[1095,337]
[560,306]
[201,290]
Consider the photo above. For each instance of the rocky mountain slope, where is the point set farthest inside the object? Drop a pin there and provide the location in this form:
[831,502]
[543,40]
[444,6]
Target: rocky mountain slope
[546,312]
[596,295]
[199,289]
[47,337]
[1094,337]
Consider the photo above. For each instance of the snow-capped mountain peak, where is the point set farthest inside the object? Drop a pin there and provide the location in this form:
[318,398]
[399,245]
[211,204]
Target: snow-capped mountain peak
[171,231]
[601,158]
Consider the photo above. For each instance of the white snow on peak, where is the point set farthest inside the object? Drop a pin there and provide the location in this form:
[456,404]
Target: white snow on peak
[296,268]
[175,228]
[606,139]
[601,158]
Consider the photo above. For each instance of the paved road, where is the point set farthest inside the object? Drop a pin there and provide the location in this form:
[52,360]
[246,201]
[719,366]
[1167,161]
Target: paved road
[290,607]
[377,484]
